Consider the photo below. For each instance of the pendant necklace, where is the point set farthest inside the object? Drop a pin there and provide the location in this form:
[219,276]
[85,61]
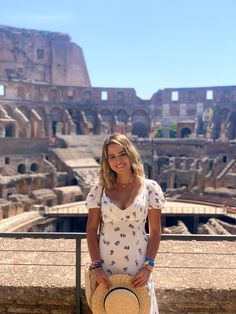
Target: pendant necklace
[124,184]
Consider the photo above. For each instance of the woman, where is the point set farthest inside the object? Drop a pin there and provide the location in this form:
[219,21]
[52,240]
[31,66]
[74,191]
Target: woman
[119,205]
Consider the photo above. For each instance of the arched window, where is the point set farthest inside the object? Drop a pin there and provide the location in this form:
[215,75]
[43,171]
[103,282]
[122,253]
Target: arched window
[34,167]
[21,168]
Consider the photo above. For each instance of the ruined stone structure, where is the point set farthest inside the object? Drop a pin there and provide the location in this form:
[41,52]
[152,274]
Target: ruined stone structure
[47,103]
[45,90]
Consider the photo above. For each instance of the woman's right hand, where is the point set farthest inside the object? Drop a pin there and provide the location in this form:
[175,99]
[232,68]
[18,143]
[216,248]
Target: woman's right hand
[101,277]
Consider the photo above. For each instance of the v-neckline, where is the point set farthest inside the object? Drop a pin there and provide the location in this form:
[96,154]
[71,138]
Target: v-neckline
[135,199]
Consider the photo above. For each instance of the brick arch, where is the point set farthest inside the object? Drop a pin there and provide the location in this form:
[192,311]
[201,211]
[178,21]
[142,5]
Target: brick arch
[55,118]
[140,129]
[76,118]
[107,115]
[91,116]
[56,114]
[139,113]
[8,109]
[10,130]
[185,132]
[25,111]
[42,113]
[220,117]
[140,123]
[122,115]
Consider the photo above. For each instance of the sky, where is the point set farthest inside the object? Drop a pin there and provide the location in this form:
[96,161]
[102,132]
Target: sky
[146,45]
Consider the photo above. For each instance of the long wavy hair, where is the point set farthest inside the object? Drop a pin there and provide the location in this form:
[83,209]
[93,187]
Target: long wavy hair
[107,175]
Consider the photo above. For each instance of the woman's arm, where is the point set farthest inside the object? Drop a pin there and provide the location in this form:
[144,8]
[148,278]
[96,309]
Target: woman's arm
[92,229]
[93,247]
[154,223]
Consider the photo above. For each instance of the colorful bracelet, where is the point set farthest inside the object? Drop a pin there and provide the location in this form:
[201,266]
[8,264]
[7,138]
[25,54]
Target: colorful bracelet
[96,263]
[149,261]
[148,268]
[94,267]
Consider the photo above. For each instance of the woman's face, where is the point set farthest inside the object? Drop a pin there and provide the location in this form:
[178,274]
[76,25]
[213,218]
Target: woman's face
[118,159]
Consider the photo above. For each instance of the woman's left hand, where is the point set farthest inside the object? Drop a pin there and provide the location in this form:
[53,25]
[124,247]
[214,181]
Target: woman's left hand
[141,278]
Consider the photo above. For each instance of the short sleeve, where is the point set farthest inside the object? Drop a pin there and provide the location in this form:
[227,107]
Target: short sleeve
[93,199]
[156,198]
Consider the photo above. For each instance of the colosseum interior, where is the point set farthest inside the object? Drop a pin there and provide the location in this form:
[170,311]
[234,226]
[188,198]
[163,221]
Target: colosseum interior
[52,124]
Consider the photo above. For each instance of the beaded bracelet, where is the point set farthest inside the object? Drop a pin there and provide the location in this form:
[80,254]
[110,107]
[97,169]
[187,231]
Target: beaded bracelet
[96,263]
[94,267]
[149,261]
[148,268]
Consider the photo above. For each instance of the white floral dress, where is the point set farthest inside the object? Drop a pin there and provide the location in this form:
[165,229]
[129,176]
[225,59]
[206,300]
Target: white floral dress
[123,239]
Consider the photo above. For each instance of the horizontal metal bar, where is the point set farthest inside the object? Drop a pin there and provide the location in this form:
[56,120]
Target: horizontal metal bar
[198,237]
[45,235]
[75,235]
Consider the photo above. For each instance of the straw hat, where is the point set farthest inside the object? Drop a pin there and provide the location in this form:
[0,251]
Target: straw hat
[121,298]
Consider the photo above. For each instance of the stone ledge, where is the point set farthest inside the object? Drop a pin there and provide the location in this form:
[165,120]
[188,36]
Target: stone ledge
[191,277]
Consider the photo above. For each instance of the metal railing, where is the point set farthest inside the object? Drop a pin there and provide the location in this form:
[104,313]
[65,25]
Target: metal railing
[78,208]
[79,236]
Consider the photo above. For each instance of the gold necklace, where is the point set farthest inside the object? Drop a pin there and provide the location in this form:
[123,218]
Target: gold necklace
[123,184]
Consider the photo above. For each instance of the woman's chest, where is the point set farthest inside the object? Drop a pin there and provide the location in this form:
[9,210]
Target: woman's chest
[135,212]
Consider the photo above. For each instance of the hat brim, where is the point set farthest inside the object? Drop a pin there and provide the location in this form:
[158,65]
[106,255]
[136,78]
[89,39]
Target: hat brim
[120,280]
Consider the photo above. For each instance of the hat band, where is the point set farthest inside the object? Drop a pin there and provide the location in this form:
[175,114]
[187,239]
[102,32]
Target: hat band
[120,288]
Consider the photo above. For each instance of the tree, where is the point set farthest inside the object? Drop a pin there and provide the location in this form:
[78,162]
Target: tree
[173,130]
[159,133]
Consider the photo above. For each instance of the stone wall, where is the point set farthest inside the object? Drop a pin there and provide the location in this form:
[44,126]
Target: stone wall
[38,277]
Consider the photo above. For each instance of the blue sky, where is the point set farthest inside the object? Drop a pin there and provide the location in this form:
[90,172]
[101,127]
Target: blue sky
[147,45]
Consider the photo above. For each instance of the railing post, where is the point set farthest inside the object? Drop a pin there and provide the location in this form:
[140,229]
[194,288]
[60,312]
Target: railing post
[78,276]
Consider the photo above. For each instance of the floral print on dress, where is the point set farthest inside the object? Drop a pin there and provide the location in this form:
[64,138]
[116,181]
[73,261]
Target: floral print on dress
[123,239]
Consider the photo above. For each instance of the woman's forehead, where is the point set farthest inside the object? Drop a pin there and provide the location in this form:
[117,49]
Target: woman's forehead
[114,148]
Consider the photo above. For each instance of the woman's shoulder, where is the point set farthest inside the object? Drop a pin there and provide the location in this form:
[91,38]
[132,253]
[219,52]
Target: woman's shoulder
[93,198]
[151,183]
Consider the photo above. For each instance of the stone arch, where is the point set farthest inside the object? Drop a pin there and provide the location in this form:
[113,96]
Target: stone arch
[107,115]
[140,123]
[25,111]
[8,109]
[91,116]
[185,132]
[122,115]
[21,168]
[219,119]
[76,118]
[231,128]
[34,167]
[10,130]
[106,121]
[55,117]
[40,124]
[140,129]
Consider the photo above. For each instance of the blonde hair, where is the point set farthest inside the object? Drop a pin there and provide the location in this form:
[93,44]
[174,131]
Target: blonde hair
[107,175]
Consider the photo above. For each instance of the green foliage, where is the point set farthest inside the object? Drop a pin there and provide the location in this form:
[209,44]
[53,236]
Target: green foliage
[173,130]
[159,133]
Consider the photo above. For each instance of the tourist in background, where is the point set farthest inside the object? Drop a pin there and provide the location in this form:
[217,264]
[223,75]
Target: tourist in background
[119,206]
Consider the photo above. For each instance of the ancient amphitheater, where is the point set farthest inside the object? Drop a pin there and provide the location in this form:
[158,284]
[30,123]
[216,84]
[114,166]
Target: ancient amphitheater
[52,124]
